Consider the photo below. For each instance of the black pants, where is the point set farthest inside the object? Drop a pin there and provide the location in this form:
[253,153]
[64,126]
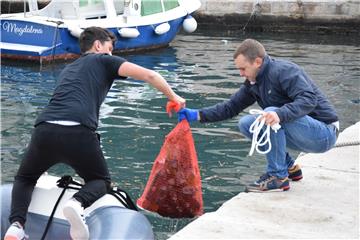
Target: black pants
[77,146]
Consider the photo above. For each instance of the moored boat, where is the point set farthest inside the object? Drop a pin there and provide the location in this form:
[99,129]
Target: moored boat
[52,32]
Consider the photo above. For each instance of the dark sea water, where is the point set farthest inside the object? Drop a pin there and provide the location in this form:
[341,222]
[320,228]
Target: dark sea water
[199,67]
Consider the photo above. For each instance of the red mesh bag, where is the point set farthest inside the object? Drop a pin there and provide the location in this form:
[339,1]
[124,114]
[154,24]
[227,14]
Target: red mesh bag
[174,186]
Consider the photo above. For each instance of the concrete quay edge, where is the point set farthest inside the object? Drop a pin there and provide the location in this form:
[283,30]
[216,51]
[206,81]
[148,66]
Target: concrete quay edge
[324,204]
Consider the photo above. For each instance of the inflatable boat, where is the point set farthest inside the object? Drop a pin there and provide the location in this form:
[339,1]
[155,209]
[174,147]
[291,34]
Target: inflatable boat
[113,216]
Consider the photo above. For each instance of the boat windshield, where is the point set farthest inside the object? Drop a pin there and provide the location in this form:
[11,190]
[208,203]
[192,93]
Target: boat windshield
[97,9]
[93,9]
[81,9]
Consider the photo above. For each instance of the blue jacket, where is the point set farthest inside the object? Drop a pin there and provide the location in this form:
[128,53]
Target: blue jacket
[281,84]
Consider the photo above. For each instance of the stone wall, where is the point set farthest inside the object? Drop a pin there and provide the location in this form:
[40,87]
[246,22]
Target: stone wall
[324,16]
[305,9]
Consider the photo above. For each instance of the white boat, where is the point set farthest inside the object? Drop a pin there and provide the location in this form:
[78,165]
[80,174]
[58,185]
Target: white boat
[52,32]
[110,217]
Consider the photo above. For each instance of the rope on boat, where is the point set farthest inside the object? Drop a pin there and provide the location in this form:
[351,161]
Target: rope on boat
[66,182]
[54,41]
[346,144]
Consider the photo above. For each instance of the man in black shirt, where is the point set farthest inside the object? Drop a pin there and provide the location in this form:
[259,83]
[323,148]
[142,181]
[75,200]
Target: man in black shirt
[65,130]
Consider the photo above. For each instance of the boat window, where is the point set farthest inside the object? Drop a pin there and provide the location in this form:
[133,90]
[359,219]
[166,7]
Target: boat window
[92,9]
[170,4]
[150,7]
[119,6]
[84,3]
[157,6]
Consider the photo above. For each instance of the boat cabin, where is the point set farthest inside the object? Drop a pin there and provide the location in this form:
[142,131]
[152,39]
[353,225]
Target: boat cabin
[94,9]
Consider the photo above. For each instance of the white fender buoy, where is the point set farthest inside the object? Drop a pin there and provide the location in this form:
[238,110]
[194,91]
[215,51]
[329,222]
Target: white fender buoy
[162,28]
[189,24]
[75,30]
[129,32]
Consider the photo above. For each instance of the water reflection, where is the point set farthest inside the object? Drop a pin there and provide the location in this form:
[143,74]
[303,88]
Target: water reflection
[133,122]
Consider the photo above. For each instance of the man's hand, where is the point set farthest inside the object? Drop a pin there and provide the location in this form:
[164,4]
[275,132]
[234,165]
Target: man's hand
[181,101]
[271,118]
[190,115]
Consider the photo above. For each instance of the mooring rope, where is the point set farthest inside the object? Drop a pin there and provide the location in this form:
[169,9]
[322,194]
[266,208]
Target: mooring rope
[348,143]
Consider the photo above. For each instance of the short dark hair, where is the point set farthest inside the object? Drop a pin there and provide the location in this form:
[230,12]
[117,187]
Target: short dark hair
[250,49]
[91,34]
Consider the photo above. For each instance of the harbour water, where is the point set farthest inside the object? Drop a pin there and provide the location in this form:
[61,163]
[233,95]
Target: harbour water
[199,67]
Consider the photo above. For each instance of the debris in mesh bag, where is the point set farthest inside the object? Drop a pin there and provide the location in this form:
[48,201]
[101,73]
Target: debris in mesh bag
[174,185]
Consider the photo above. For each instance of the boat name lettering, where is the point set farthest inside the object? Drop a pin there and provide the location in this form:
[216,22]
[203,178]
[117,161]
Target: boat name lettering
[13,28]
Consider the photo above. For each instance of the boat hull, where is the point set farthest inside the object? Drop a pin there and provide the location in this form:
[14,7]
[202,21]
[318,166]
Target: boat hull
[107,218]
[48,41]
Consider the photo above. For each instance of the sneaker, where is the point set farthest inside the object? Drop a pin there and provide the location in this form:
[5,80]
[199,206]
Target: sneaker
[269,184]
[262,178]
[74,213]
[15,232]
[295,173]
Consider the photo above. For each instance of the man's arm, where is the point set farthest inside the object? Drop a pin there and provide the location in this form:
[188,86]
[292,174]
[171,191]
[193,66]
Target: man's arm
[300,89]
[155,79]
[228,109]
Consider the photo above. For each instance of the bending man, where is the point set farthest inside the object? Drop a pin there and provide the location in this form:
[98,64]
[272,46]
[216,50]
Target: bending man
[65,130]
[289,97]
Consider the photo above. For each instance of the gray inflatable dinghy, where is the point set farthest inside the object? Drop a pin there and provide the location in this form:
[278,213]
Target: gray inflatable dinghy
[110,217]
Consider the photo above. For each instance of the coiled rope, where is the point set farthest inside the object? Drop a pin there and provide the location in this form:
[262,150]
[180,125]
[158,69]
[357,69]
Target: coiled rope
[255,129]
[257,142]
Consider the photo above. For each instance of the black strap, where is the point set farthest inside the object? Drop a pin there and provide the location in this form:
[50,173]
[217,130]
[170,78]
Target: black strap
[66,182]
[123,197]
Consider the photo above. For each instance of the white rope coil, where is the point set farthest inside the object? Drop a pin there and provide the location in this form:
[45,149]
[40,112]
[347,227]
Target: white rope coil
[255,129]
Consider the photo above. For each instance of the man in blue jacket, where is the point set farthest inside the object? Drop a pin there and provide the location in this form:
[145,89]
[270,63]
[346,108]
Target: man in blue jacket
[288,97]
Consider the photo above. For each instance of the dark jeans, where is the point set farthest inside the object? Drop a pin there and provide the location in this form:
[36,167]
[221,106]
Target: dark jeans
[77,146]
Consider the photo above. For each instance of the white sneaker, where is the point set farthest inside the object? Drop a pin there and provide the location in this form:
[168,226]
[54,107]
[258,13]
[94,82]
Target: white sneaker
[15,232]
[74,213]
